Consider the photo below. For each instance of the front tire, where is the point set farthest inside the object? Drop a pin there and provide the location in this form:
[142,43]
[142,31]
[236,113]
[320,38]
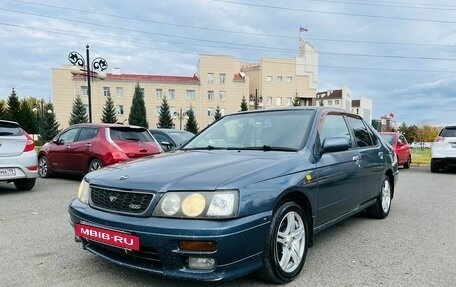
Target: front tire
[25,184]
[286,244]
[381,208]
[434,167]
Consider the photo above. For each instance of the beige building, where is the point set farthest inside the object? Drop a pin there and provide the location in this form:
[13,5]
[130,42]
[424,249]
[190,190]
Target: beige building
[220,81]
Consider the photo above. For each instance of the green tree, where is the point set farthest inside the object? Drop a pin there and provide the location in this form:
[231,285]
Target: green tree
[165,119]
[3,115]
[296,100]
[138,114]
[79,113]
[13,107]
[218,113]
[244,106]
[49,125]
[27,118]
[410,132]
[109,111]
[191,125]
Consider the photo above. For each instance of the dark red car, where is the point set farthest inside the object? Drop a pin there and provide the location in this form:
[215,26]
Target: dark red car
[401,147]
[82,148]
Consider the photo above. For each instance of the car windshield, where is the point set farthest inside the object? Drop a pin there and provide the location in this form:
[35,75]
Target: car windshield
[272,130]
[389,138]
[130,134]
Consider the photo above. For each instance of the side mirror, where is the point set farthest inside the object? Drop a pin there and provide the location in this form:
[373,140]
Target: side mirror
[335,144]
[59,141]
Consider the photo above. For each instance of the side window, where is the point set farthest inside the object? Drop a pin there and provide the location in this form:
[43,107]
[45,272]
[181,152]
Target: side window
[334,126]
[362,136]
[69,136]
[402,139]
[87,133]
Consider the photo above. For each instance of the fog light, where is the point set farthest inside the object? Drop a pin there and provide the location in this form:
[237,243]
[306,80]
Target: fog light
[201,263]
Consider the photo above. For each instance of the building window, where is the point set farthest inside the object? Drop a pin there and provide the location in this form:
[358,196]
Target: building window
[288,102]
[210,95]
[120,109]
[143,93]
[278,101]
[222,112]
[269,78]
[210,78]
[289,79]
[222,95]
[279,78]
[158,93]
[210,112]
[336,102]
[330,102]
[190,94]
[106,91]
[171,94]
[84,90]
[222,77]
[119,92]
[269,102]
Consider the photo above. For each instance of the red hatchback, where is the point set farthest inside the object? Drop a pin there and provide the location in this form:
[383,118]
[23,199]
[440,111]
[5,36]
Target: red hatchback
[401,147]
[82,148]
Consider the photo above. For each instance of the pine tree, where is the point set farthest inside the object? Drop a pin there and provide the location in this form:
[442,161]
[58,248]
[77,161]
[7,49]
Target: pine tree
[165,120]
[109,111]
[27,119]
[218,114]
[296,100]
[191,125]
[49,125]
[79,113]
[244,106]
[138,114]
[13,107]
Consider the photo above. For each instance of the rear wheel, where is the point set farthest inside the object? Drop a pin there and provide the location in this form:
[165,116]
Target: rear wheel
[286,244]
[382,207]
[25,184]
[434,167]
[95,164]
[44,169]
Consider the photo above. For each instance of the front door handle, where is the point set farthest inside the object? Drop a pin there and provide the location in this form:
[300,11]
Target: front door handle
[88,144]
[67,147]
[380,154]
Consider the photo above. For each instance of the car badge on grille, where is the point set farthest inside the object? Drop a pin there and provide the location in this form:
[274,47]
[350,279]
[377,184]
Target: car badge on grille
[112,198]
[134,206]
[124,177]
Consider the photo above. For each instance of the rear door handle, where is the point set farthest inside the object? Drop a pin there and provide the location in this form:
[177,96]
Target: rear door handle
[88,144]
[356,158]
[380,154]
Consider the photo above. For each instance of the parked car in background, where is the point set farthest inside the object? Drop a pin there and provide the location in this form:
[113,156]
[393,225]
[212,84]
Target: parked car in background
[18,161]
[170,139]
[401,147]
[86,147]
[421,145]
[246,194]
[443,151]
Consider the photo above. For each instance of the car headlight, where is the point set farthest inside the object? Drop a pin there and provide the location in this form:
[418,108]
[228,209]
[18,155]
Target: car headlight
[199,204]
[84,191]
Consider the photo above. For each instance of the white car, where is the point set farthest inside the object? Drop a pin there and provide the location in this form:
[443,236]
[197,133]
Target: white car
[443,151]
[18,158]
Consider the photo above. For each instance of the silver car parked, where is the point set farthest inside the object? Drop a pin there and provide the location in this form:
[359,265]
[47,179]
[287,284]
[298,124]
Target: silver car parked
[18,159]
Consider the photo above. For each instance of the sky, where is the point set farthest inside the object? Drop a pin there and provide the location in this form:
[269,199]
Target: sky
[399,53]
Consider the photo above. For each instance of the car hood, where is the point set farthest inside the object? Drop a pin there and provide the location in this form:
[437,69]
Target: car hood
[194,170]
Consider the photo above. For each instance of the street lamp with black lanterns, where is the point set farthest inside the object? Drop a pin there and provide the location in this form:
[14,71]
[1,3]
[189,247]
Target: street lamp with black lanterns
[256,101]
[181,116]
[88,70]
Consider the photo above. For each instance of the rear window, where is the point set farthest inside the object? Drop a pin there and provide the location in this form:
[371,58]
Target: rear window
[10,129]
[448,132]
[130,134]
[389,138]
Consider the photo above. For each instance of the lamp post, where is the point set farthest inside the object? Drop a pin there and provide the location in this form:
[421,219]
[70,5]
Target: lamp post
[256,101]
[181,116]
[88,70]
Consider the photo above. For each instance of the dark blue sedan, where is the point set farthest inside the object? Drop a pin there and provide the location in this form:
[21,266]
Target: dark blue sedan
[246,194]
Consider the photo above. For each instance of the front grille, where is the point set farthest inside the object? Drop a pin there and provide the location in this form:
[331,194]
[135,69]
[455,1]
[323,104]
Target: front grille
[120,201]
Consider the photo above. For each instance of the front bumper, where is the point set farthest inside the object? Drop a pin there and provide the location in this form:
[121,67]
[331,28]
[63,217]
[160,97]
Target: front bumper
[240,243]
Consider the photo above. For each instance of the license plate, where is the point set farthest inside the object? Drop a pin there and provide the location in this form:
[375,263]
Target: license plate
[7,172]
[111,237]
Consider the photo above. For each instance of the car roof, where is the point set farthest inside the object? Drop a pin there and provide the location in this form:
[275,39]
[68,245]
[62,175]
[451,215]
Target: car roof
[106,125]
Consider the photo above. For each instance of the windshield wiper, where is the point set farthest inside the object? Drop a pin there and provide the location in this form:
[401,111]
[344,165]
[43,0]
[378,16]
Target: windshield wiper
[209,147]
[267,148]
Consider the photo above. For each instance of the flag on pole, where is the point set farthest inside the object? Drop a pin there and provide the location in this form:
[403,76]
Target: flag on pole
[301,29]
